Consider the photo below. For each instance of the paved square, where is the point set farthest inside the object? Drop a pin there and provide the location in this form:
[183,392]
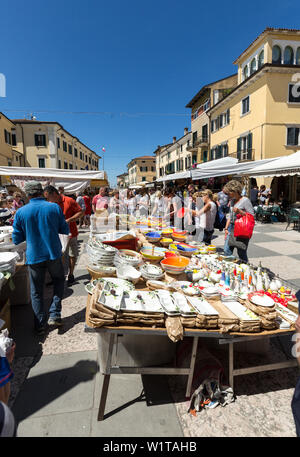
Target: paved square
[281,247]
[282,266]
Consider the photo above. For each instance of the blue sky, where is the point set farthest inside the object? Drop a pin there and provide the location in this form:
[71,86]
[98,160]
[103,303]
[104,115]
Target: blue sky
[123,58]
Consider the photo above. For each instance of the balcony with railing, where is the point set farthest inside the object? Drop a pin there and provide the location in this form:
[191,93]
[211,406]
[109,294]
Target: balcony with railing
[243,155]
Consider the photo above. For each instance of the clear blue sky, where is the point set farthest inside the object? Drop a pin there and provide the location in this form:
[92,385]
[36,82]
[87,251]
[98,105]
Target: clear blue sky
[121,57]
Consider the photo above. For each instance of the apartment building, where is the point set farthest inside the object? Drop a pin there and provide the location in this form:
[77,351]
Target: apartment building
[122,181]
[9,155]
[141,169]
[208,96]
[49,145]
[176,156]
[260,118]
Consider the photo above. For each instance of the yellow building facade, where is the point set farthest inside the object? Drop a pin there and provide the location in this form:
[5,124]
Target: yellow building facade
[260,118]
[49,145]
[9,155]
[141,169]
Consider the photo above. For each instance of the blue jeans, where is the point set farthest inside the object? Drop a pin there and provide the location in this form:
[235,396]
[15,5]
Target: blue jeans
[228,250]
[37,273]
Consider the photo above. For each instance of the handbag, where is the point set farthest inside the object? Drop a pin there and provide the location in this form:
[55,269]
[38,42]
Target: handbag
[236,243]
[244,225]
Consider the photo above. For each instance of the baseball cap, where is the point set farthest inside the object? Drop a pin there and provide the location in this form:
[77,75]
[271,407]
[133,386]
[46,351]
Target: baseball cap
[32,187]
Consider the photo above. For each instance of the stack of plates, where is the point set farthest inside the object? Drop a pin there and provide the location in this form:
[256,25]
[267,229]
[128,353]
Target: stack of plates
[8,261]
[152,272]
[100,254]
[127,257]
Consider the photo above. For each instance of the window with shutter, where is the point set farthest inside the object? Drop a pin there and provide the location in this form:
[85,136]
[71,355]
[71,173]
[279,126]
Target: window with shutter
[239,148]
[249,147]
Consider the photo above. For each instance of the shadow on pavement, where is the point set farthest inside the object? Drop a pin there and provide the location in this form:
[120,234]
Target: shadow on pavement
[38,391]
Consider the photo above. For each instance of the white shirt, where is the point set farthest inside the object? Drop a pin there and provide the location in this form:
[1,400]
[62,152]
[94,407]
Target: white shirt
[207,219]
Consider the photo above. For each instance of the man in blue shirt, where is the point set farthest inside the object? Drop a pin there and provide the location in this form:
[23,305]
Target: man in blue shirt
[39,224]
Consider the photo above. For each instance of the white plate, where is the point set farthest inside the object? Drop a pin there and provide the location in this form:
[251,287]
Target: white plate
[142,301]
[285,312]
[202,306]
[182,304]
[111,301]
[262,300]
[167,302]
[7,257]
[241,311]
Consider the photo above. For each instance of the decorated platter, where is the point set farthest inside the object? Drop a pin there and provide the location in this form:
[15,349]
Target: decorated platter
[202,306]
[261,299]
[142,301]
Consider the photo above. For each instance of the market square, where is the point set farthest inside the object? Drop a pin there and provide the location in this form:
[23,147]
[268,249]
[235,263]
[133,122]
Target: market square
[150,224]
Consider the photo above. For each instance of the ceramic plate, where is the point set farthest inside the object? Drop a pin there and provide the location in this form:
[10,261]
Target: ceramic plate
[241,311]
[142,301]
[116,283]
[202,306]
[261,299]
[182,304]
[167,302]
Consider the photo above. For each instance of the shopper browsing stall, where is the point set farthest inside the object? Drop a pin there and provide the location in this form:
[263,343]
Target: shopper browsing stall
[39,223]
[207,216]
[72,212]
[239,205]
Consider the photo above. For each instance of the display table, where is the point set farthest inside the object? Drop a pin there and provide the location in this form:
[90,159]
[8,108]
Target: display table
[229,339]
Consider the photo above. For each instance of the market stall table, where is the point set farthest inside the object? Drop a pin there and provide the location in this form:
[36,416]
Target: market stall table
[229,339]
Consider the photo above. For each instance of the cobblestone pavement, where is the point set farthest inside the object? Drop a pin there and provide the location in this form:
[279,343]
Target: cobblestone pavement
[263,400]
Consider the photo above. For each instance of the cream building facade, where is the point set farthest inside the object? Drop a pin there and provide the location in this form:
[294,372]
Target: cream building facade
[123,181]
[208,96]
[175,157]
[49,145]
[141,169]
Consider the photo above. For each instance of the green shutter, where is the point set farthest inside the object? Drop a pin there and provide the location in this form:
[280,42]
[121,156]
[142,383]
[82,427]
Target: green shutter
[239,148]
[249,155]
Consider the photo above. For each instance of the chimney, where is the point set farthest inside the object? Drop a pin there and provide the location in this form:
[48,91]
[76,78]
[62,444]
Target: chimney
[186,130]
[174,139]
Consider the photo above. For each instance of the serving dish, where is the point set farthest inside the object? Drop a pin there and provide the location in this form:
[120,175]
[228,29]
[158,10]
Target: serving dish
[202,306]
[142,301]
[261,299]
[167,303]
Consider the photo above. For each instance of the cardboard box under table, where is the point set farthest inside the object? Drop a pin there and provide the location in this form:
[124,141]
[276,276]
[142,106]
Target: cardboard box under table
[109,336]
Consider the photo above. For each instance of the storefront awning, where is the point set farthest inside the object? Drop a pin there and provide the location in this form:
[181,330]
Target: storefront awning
[281,166]
[71,180]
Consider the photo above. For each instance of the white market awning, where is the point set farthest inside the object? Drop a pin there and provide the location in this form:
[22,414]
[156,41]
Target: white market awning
[233,169]
[174,176]
[280,166]
[71,180]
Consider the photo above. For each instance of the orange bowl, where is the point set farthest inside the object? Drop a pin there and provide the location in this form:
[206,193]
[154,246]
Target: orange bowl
[179,232]
[177,262]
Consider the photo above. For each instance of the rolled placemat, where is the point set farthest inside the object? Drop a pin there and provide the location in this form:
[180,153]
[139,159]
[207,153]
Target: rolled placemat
[174,328]
[266,314]
[206,321]
[189,322]
[227,321]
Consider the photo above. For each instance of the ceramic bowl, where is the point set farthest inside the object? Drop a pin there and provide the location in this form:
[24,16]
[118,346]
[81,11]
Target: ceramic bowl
[167,232]
[149,253]
[166,241]
[153,236]
[179,237]
[129,273]
[175,265]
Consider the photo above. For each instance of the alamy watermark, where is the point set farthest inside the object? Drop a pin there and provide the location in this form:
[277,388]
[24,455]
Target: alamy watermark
[2,85]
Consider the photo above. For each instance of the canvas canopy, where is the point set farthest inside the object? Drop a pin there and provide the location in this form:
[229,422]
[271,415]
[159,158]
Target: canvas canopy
[71,180]
[281,166]
[229,169]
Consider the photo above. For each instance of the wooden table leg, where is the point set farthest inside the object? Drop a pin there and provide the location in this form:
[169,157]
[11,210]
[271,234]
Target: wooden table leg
[103,397]
[192,366]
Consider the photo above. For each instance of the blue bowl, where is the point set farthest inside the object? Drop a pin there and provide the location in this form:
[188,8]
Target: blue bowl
[153,235]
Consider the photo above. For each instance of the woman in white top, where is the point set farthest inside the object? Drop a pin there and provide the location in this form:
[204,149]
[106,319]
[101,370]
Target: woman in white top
[144,203]
[159,207]
[130,202]
[206,215]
